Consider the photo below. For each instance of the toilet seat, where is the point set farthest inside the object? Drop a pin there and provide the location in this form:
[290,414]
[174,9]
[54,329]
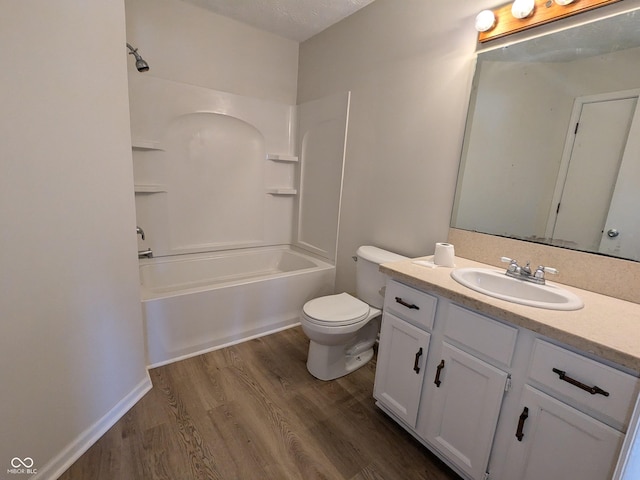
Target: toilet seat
[335,310]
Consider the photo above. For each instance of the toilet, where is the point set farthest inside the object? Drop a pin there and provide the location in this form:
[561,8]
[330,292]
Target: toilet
[342,329]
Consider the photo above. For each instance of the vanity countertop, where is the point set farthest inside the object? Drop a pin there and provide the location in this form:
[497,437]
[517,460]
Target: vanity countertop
[606,327]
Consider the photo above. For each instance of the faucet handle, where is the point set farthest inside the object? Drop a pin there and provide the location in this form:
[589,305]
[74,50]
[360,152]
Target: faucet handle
[541,270]
[513,265]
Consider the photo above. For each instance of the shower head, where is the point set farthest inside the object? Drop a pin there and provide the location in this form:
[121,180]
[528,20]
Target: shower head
[141,65]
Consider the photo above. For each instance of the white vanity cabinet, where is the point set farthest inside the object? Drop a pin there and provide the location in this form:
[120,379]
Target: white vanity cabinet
[400,369]
[467,383]
[451,397]
[402,354]
[462,412]
[496,401]
[554,441]
[574,430]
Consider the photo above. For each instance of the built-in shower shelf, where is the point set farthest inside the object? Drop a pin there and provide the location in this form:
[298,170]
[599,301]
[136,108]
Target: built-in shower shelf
[139,144]
[150,188]
[282,191]
[281,158]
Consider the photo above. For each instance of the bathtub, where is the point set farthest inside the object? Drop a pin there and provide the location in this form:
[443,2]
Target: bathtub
[196,303]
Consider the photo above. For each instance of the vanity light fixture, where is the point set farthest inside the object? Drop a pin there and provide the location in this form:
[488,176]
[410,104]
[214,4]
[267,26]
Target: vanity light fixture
[485,21]
[523,8]
[524,14]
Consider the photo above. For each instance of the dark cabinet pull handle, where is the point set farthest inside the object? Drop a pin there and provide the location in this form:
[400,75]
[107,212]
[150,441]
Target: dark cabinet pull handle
[592,390]
[416,368]
[440,367]
[523,416]
[408,305]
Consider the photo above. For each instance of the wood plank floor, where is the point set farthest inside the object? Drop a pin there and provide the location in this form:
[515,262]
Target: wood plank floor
[252,411]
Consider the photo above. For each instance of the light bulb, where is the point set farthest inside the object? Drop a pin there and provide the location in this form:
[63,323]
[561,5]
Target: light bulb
[522,8]
[563,2]
[485,21]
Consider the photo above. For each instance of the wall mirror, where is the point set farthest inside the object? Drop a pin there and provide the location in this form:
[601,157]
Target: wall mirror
[552,145]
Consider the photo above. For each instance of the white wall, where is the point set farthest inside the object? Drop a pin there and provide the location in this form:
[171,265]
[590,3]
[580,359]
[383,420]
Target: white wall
[72,346]
[409,66]
[189,44]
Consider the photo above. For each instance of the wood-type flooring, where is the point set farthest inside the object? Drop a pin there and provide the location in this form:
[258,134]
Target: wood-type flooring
[252,411]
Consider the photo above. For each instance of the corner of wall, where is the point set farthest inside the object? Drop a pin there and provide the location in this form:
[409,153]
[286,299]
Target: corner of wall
[61,462]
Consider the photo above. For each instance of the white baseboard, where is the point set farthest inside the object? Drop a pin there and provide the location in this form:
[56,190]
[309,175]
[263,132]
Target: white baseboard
[61,462]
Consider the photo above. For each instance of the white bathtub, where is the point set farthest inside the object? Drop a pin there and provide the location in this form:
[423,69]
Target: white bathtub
[200,302]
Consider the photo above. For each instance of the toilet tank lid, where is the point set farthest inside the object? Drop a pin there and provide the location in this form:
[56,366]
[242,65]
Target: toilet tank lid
[378,255]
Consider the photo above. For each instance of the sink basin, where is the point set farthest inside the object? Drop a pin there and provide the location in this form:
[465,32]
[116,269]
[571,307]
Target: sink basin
[496,284]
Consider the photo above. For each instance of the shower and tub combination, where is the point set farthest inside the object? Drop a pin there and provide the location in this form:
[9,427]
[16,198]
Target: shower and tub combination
[239,200]
[198,302]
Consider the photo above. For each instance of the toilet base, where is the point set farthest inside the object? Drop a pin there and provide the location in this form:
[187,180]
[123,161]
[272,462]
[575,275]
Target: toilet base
[327,362]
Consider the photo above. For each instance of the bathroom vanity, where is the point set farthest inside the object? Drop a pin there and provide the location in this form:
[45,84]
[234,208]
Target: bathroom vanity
[504,391]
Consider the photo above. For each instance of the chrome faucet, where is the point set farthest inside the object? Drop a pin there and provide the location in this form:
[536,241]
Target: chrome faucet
[143,253]
[524,273]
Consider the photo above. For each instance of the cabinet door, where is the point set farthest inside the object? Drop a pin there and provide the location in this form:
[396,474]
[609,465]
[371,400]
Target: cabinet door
[558,442]
[460,421]
[402,355]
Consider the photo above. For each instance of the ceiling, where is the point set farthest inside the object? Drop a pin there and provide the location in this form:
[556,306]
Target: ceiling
[293,19]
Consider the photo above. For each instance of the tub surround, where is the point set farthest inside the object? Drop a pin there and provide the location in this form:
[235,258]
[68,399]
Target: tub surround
[606,327]
[223,275]
[197,150]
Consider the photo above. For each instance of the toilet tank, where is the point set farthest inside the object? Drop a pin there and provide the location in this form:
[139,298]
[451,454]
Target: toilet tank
[369,280]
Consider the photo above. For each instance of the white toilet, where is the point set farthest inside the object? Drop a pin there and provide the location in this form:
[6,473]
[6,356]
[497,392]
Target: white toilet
[342,329]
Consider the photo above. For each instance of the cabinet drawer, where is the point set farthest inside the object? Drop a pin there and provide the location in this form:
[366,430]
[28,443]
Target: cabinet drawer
[413,305]
[493,339]
[612,400]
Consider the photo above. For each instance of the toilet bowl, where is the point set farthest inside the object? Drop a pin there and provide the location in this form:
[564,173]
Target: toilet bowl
[343,329]
[338,342]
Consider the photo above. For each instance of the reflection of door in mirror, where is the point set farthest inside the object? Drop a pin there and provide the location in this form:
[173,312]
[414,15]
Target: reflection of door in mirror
[621,233]
[595,146]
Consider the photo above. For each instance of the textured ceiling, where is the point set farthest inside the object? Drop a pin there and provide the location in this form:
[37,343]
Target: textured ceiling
[294,19]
